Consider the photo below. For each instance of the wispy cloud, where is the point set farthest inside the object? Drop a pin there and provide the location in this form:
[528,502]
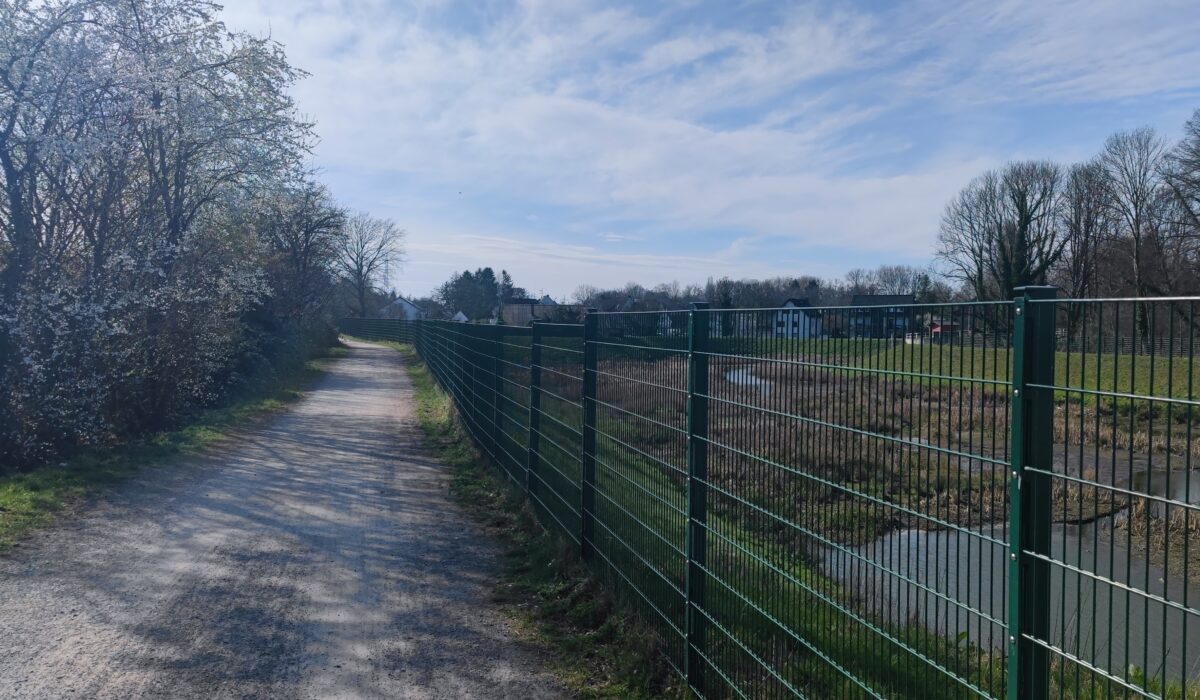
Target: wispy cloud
[744,133]
[611,237]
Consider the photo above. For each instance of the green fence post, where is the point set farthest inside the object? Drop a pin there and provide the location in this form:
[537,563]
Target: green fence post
[535,408]
[467,350]
[587,472]
[697,492]
[495,347]
[1033,345]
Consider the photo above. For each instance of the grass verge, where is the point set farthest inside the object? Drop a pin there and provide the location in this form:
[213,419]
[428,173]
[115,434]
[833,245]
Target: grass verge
[600,649]
[33,499]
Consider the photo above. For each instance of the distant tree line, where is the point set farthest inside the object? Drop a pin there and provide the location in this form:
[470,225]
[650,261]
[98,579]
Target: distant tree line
[162,246]
[478,294]
[727,293]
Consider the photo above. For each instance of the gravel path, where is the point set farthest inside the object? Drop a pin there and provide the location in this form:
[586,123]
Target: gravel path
[319,556]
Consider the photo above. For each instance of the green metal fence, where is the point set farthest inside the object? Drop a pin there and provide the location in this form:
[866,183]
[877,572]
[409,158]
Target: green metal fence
[397,331]
[935,501]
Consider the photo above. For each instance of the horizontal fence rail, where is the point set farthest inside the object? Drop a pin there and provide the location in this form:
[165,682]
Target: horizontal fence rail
[842,503]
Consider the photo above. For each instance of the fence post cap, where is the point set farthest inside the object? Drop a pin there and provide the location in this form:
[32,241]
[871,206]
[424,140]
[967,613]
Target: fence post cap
[1037,291]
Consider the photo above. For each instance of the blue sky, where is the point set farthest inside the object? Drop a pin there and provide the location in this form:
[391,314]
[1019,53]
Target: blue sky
[577,142]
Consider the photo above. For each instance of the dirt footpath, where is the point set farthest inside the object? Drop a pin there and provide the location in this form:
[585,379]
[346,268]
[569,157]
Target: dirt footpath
[318,557]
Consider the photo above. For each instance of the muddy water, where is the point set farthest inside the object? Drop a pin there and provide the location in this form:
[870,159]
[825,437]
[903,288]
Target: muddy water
[1174,485]
[958,580]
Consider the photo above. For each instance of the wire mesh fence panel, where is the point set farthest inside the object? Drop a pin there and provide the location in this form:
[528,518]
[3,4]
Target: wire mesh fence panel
[857,503]
[1120,570]
[937,501]
[395,330]
[507,349]
[556,426]
[641,464]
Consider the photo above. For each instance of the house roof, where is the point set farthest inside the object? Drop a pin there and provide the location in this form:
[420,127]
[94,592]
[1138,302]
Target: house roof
[547,301]
[801,303]
[881,299]
[401,300]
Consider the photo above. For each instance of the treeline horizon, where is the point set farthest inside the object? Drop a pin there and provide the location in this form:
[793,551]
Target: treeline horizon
[479,293]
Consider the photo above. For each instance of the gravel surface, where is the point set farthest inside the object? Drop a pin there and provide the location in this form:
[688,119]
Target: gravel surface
[316,556]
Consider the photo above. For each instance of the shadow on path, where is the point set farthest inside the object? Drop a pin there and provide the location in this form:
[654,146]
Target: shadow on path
[319,557]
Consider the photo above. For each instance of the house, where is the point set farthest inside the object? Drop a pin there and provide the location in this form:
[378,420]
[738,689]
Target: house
[459,317]
[939,331]
[402,309]
[522,312]
[797,319]
[944,331]
[518,311]
[675,324]
[881,315]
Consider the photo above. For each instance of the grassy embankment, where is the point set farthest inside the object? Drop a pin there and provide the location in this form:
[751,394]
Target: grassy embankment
[607,652]
[770,589]
[32,499]
[757,475]
[953,398]
[1104,371]
[601,650]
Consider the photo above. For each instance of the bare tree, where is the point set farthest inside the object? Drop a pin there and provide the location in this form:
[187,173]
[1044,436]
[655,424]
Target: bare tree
[897,279]
[1133,162]
[966,233]
[302,229]
[1030,241]
[1002,231]
[368,247]
[1087,226]
[585,294]
[862,281]
[1183,173]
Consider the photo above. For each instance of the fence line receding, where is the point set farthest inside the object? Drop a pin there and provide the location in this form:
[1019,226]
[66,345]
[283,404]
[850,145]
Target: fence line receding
[841,502]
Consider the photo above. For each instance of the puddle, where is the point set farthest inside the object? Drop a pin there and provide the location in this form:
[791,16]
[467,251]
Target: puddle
[742,376]
[1175,485]
[1103,622]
